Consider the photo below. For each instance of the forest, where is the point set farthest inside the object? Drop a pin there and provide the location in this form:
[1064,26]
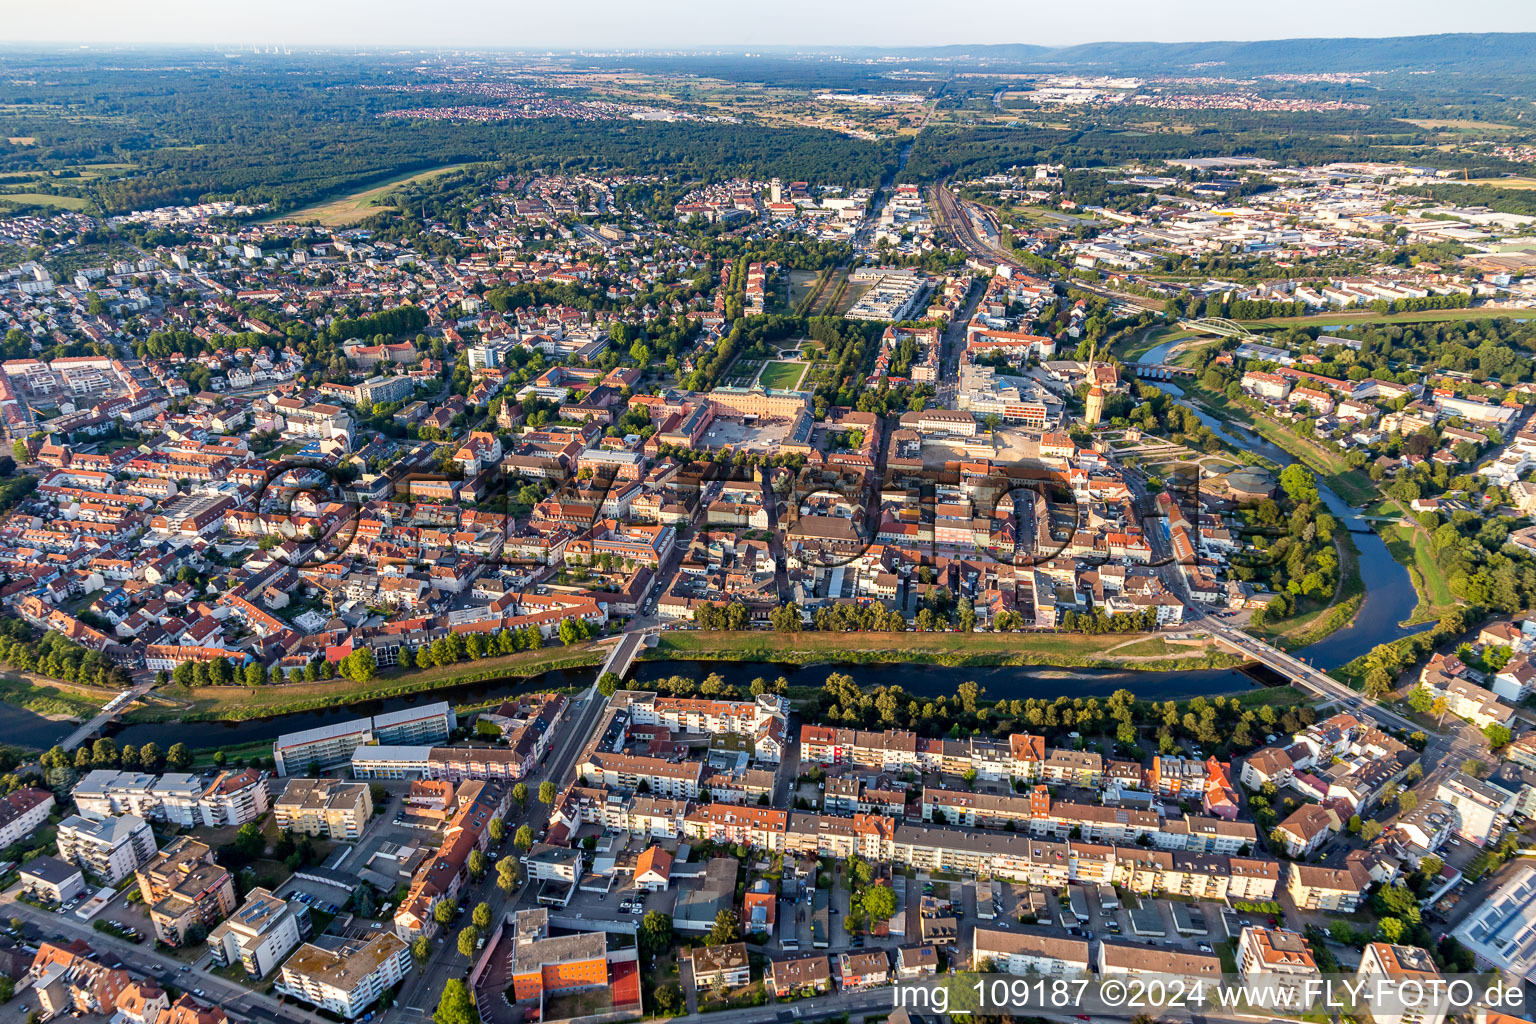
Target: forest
[290,137]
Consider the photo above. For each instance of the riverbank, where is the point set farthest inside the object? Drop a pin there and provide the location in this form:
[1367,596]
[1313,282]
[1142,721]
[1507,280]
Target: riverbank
[1409,543]
[1144,652]
[53,698]
[1349,483]
[1140,651]
[1303,630]
[242,703]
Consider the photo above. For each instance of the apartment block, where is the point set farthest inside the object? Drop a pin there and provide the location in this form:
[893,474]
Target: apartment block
[109,848]
[350,978]
[260,933]
[324,807]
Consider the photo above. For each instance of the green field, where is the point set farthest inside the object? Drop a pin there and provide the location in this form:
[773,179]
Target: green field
[781,375]
[358,206]
[1367,317]
[43,199]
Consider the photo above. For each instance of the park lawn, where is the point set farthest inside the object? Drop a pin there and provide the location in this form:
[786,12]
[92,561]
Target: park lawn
[239,703]
[1411,547]
[781,375]
[808,648]
[1368,317]
[357,206]
[801,284]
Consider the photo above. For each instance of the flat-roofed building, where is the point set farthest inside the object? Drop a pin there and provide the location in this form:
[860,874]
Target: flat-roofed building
[185,890]
[721,966]
[350,978]
[109,848]
[329,747]
[1502,931]
[563,963]
[260,933]
[324,807]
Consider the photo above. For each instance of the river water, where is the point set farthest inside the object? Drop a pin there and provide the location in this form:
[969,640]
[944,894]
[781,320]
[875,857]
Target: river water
[1011,682]
[1389,594]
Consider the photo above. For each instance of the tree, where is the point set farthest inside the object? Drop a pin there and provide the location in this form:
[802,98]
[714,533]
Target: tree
[608,683]
[668,997]
[255,674]
[421,948]
[498,830]
[726,929]
[1392,930]
[249,841]
[363,902]
[360,666]
[879,902]
[1498,735]
[506,874]
[520,794]
[456,1005]
[178,757]
[1370,830]
[444,912]
[477,864]
[481,915]
[546,792]
[523,839]
[655,931]
[150,758]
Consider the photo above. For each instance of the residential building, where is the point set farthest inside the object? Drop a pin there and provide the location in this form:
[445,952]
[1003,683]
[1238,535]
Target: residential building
[187,893]
[1280,960]
[110,849]
[48,878]
[1029,952]
[810,974]
[349,978]
[1399,965]
[22,813]
[260,933]
[324,807]
[722,966]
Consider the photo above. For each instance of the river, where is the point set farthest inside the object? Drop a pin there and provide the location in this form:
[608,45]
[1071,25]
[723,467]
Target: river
[1389,594]
[1011,682]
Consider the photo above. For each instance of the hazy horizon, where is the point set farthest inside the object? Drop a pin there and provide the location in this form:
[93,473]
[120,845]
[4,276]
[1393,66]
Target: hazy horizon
[693,24]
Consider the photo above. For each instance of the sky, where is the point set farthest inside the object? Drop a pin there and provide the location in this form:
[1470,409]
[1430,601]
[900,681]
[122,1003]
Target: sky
[606,24]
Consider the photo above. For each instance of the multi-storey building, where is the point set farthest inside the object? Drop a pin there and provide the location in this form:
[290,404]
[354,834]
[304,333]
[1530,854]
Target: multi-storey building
[185,890]
[1014,952]
[109,848]
[260,933]
[1399,965]
[22,812]
[351,977]
[324,807]
[232,798]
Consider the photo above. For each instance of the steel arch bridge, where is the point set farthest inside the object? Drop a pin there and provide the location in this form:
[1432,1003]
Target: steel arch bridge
[1217,325]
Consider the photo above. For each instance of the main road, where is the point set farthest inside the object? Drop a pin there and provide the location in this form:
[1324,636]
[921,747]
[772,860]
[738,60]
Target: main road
[237,1000]
[420,991]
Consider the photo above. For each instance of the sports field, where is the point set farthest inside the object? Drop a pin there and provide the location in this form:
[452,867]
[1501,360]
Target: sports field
[781,375]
